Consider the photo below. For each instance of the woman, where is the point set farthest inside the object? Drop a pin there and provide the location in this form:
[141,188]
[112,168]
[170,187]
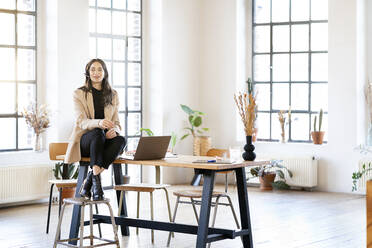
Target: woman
[97,127]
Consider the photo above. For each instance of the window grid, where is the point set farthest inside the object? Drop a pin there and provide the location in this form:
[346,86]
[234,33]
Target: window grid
[130,137]
[273,112]
[126,61]
[15,115]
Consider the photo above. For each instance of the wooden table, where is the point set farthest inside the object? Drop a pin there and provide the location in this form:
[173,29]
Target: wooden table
[204,234]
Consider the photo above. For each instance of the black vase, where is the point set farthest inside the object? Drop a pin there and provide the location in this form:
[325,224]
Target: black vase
[249,155]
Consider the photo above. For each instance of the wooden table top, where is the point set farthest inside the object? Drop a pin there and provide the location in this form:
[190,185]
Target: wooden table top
[184,161]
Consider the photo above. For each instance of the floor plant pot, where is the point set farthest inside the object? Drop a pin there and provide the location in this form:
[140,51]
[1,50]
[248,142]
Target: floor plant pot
[249,155]
[266,181]
[317,137]
[68,192]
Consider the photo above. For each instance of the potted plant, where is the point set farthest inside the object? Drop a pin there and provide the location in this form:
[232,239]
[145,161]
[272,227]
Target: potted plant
[66,172]
[201,143]
[268,173]
[318,135]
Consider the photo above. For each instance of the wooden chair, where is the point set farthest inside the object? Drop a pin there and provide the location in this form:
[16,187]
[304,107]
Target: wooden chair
[144,187]
[214,152]
[56,149]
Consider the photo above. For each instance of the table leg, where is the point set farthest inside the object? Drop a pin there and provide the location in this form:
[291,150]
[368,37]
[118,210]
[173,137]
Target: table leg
[245,218]
[75,220]
[205,208]
[197,177]
[157,174]
[50,204]
[118,175]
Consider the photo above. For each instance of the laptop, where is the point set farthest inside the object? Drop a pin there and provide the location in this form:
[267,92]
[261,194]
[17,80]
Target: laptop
[150,147]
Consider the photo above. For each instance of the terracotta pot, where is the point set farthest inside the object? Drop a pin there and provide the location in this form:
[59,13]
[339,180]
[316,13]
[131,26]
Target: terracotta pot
[266,181]
[68,192]
[317,137]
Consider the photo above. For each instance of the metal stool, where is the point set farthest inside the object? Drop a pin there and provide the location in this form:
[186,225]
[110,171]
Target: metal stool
[144,187]
[84,202]
[192,194]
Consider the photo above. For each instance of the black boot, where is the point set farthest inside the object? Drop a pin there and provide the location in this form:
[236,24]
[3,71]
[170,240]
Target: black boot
[97,188]
[85,190]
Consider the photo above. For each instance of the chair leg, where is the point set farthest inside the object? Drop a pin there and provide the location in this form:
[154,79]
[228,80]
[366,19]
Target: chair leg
[58,232]
[49,206]
[99,224]
[194,208]
[226,183]
[233,211]
[214,215]
[138,207]
[168,204]
[59,200]
[114,227]
[174,219]
[152,216]
[81,243]
[91,223]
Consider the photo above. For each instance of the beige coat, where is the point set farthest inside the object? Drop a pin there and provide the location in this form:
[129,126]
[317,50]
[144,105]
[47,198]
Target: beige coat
[84,114]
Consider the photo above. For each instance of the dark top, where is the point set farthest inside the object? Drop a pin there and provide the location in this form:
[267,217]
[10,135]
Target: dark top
[99,112]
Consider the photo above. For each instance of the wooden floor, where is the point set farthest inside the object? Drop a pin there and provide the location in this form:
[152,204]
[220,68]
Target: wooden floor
[279,219]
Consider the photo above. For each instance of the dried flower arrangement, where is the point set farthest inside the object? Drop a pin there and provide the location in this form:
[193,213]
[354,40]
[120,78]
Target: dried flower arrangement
[37,117]
[284,121]
[246,104]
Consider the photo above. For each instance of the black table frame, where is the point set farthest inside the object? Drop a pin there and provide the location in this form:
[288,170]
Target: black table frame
[204,234]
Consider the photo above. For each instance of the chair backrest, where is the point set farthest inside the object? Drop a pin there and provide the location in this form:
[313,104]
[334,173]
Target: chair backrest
[56,149]
[218,152]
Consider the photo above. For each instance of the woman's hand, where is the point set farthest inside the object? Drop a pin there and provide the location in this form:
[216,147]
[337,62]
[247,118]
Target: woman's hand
[111,134]
[106,124]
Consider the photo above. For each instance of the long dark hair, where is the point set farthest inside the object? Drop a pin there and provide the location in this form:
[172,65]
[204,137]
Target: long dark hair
[106,88]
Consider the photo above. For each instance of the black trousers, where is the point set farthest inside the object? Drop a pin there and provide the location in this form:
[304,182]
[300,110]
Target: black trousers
[102,151]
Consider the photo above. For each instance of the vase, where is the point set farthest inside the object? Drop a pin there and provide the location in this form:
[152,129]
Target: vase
[201,145]
[317,137]
[37,143]
[249,155]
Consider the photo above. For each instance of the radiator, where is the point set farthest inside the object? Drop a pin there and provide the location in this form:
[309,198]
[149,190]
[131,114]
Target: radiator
[367,176]
[304,169]
[24,183]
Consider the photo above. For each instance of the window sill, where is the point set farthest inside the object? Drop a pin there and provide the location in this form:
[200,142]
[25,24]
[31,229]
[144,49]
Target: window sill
[24,158]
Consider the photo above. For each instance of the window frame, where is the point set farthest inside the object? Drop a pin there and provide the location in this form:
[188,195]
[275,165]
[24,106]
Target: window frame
[17,82]
[309,82]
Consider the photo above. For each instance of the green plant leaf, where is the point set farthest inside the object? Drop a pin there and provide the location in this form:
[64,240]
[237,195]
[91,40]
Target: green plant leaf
[187,110]
[197,121]
[198,131]
[205,129]
[280,185]
[185,136]
[280,173]
[76,174]
[198,112]
[147,131]
[191,120]
[254,171]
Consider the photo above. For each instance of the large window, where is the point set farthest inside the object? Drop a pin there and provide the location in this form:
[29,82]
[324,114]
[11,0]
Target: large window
[290,65]
[116,37]
[17,71]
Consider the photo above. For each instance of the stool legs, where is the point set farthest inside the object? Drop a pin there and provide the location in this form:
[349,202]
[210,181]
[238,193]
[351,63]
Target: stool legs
[226,184]
[194,208]
[99,224]
[152,215]
[168,204]
[58,232]
[174,218]
[233,211]
[114,227]
[50,203]
[138,208]
[91,223]
[82,226]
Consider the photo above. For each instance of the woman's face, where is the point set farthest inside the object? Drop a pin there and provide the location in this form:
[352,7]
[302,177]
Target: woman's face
[96,72]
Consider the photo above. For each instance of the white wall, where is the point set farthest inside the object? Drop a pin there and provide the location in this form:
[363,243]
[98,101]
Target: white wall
[193,55]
